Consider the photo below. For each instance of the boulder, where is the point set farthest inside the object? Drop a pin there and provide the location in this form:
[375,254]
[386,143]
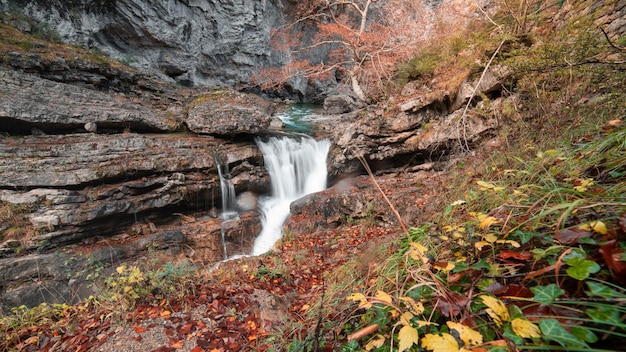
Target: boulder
[229,113]
[338,104]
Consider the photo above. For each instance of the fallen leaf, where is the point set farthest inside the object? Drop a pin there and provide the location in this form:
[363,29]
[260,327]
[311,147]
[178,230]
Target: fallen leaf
[468,335]
[375,342]
[571,236]
[440,343]
[451,304]
[178,344]
[496,309]
[487,222]
[525,328]
[407,337]
[508,254]
[165,313]
[611,254]
[384,296]
[139,329]
[414,306]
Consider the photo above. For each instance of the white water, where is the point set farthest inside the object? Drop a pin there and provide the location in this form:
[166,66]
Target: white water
[228,190]
[297,167]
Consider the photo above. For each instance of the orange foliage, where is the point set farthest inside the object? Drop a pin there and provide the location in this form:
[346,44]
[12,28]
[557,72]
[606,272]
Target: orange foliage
[365,39]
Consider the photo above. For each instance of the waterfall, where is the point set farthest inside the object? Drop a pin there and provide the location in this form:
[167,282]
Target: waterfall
[297,167]
[228,190]
[229,211]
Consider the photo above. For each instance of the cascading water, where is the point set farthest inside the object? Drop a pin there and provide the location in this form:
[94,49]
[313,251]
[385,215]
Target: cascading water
[297,167]
[228,196]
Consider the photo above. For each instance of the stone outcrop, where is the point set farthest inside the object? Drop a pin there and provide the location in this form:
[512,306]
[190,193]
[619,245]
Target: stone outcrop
[81,185]
[228,113]
[190,42]
[33,103]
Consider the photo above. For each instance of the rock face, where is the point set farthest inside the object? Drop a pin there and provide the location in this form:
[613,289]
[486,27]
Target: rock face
[192,42]
[52,107]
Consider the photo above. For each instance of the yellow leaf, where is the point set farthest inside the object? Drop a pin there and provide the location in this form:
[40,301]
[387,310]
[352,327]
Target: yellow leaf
[407,337]
[458,202]
[514,244]
[468,335]
[487,222]
[405,318]
[384,296]
[440,343]
[599,227]
[420,248]
[375,342]
[491,238]
[480,244]
[485,185]
[120,269]
[525,328]
[449,266]
[497,310]
[447,228]
[361,298]
[415,307]
[417,251]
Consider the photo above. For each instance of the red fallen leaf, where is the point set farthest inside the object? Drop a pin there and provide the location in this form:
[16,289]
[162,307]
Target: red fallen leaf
[508,254]
[511,290]
[139,329]
[197,349]
[611,254]
[451,304]
[571,236]
[185,329]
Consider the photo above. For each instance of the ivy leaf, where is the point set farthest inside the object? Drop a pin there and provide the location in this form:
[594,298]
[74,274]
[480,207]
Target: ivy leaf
[407,337]
[604,291]
[605,314]
[583,334]
[580,269]
[551,330]
[525,328]
[547,294]
[496,309]
[468,335]
[440,343]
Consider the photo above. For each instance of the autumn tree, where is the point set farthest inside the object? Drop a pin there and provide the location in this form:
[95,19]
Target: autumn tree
[365,39]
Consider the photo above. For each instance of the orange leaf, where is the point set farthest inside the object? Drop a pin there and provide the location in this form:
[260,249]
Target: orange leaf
[197,349]
[178,344]
[139,329]
[508,254]
[165,313]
